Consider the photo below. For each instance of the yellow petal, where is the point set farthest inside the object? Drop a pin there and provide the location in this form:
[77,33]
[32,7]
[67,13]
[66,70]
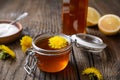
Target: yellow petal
[7,50]
[57,42]
[26,42]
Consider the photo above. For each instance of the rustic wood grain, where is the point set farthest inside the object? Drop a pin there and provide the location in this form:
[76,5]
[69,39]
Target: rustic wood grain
[45,16]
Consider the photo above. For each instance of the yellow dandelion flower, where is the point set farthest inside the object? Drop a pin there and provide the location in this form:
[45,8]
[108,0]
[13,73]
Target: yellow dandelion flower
[26,42]
[57,42]
[7,50]
[93,72]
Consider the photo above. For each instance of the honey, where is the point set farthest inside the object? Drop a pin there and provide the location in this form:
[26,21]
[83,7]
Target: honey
[49,59]
[74,16]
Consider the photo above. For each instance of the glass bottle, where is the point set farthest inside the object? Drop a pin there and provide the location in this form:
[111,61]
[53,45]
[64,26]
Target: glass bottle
[74,16]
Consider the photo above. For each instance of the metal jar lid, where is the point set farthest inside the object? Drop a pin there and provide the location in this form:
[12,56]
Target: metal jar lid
[88,42]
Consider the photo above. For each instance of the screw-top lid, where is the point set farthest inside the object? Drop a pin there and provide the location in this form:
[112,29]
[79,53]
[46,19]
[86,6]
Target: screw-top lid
[88,42]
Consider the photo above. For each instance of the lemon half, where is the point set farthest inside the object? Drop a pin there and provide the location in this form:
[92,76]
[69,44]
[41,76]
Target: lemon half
[92,16]
[109,24]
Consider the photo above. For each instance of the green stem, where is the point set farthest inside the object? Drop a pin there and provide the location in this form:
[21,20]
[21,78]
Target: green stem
[3,55]
[92,77]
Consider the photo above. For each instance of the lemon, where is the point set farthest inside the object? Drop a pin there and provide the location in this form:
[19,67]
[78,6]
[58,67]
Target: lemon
[92,16]
[109,24]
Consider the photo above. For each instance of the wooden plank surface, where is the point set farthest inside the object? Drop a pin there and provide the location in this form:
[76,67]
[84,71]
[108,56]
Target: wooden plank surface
[45,16]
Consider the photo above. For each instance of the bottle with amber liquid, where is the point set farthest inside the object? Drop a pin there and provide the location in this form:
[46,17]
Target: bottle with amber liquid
[74,16]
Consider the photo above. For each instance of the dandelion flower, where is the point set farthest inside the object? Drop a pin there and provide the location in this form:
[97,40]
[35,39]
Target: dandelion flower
[57,42]
[4,51]
[25,43]
[92,73]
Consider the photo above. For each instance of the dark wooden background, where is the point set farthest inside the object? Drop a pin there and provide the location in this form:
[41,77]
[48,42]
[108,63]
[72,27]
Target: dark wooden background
[45,16]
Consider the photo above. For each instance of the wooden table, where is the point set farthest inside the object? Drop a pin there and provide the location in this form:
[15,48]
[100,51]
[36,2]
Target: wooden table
[45,16]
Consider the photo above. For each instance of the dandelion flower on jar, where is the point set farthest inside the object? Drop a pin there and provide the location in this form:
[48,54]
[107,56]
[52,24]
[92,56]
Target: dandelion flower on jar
[57,42]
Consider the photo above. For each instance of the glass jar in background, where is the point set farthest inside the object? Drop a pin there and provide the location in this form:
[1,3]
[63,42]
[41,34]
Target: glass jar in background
[74,16]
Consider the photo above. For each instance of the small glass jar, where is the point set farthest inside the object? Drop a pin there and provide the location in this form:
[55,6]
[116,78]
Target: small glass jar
[46,59]
[56,60]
